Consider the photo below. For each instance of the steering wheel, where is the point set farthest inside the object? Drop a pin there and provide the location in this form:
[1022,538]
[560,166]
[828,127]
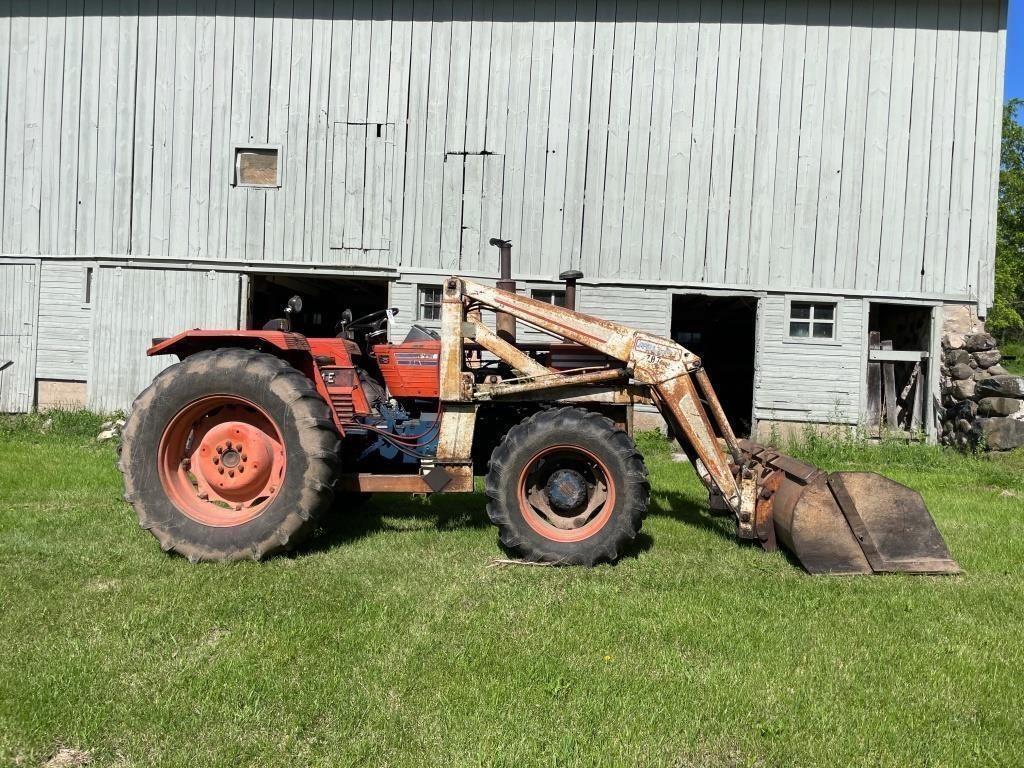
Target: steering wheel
[374,320]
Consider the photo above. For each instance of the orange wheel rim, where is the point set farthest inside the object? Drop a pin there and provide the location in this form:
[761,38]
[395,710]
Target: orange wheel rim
[565,493]
[221,460]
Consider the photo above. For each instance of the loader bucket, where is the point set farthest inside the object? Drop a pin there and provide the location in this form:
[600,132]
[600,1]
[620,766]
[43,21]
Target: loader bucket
[845,522]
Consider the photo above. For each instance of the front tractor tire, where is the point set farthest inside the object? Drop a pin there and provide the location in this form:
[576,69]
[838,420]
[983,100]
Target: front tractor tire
[230,454]
[566,486]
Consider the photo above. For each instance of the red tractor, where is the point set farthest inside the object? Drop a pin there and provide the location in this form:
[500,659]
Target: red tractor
[238,450]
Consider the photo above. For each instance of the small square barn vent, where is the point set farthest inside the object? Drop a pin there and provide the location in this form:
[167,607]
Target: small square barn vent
[257,166]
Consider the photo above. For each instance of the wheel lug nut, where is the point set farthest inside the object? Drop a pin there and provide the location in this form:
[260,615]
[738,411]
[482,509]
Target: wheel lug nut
[220,449]
[231,473]
[227,444]
[221,470]
[244,457]
[241,470]
[216,461]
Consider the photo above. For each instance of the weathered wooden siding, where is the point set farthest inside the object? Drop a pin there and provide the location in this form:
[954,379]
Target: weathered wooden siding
[831,144]
[64,322]
[803,380]
[19,296]
[140,304]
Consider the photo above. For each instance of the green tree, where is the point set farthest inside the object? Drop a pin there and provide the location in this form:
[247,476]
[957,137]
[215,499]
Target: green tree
[1005,318]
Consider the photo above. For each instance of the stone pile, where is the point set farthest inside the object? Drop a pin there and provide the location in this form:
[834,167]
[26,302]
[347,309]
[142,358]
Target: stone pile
[982,403]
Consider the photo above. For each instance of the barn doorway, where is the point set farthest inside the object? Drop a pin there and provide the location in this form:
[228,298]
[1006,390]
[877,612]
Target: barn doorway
[324,299]
[722,331]
[898,376]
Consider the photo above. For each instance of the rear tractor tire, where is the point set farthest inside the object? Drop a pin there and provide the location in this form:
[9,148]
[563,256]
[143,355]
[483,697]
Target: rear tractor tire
[230,454]
[567,486]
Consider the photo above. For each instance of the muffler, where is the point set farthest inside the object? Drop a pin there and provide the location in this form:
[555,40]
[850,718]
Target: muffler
[843,522]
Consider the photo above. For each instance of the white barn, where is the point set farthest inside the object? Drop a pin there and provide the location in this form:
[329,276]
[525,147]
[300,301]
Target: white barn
[768,181]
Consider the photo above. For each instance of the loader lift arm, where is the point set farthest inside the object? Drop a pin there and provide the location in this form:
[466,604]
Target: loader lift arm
[833,523]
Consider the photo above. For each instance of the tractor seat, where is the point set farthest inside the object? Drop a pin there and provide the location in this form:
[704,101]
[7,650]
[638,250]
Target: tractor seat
[419,333]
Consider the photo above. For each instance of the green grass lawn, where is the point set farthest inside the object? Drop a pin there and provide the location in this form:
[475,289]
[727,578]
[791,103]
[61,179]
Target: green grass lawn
[390,641]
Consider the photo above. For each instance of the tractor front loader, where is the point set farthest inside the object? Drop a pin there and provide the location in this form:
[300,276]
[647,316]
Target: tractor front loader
[240,448]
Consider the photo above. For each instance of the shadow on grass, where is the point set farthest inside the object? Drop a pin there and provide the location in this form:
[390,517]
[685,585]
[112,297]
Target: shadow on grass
[355,518]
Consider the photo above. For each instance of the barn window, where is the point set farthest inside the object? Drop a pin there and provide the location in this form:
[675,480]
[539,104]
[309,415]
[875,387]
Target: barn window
[87,287]
[550,297]
[812,320]
[257,166]
[430,302]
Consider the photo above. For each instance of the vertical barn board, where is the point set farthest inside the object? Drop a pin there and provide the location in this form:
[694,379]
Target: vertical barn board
[124,132]
[550,252]
[581,79]
[181,136]
[243,68]
[901,95]
[259,119]
[49,193]
[106,133]
[455,147]
[143,137]
[203,108]
[722,142]
[986,273]
[14,119]
[359,73]
[744,145]
[922,123]
[398,118]
[163,123]
[965,126]
[221,130]
[33,158]
[472,239]
[788,154]
[613,200]
[354,164]
[429,235]
[132,308]
[516,124]
[699,180]
[301,122]
[88,133]
[872,200]
[830,169]
[415,143]
[377,172]
[530,238]
[638,144]
[315,214]
[851,185]
[933,257]
[64,320]
[808,168]
[19,300]
[277,128]
[491,224]
[597,136]
[5,61]
[680,148]
[990,90]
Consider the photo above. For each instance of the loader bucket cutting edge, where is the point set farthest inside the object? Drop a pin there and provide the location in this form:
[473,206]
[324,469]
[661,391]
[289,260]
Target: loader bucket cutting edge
[848,522]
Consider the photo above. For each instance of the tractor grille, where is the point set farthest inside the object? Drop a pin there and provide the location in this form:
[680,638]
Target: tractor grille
[342,404]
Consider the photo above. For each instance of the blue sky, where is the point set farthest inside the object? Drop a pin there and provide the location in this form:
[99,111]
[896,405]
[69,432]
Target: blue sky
[1015,51]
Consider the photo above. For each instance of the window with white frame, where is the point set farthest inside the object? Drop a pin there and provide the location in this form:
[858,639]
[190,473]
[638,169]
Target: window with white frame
[812,320]
[429,302]
[549,297]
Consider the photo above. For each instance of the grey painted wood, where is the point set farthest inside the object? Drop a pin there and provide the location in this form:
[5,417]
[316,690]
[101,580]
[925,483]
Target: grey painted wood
[748,143]
[19,296]
[64,322]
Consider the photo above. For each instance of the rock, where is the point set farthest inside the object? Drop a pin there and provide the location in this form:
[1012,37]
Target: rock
[988,359]
[1002,386]
[107,434]
[953,341]
[1002,434]
[1000,406]
[981,374]
[964,426]
[961,371]
[963,389]
[958,356]
[998,370]
[966,409]
[979,342]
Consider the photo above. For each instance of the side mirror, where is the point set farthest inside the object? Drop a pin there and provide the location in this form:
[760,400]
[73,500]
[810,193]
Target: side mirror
[294,304]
